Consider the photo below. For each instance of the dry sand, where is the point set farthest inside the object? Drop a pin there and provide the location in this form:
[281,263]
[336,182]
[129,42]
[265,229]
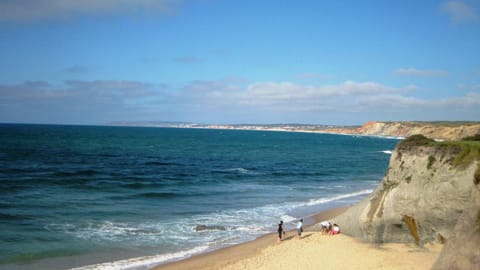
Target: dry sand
[317,251]
[313,251]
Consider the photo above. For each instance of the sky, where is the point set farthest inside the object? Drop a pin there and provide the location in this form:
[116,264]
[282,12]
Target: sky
[233,62]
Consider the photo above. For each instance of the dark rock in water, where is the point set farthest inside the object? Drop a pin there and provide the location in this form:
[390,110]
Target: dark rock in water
[200,228]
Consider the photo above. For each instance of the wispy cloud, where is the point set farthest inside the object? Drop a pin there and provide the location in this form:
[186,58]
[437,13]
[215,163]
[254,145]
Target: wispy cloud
[283,96]
[420,72]
[459,11]
[469,87]
[359,100]
[226,101]
[77,91]
[75,101]
[450,105]
[32,10]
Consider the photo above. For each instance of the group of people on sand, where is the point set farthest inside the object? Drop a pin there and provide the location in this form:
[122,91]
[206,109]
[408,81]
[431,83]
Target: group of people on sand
[327,228]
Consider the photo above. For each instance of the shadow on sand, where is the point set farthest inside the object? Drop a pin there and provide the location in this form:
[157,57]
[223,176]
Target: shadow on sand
[306,236]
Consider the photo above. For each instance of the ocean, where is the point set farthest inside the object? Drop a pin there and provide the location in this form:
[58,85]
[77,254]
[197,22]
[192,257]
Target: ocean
[100,197]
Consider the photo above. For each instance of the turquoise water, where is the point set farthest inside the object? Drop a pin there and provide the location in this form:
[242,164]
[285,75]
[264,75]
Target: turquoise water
[73,196]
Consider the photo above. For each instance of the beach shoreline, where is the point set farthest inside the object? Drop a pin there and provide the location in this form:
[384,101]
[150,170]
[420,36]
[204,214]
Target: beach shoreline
[217,259]
[266,253]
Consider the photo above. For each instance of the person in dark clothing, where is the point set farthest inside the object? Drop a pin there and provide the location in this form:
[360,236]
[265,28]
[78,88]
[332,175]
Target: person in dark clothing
[280,230]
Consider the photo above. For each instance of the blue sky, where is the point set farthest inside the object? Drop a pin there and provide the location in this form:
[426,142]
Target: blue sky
[219,61]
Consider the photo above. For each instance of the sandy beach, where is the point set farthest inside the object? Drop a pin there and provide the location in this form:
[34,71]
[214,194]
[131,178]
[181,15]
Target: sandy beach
[312,251]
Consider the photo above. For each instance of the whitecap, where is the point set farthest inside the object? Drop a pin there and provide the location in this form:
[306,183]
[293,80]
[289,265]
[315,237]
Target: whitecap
[287,218]
[110,231]
[147,262]
[240,170]
[339,197]
[240,225]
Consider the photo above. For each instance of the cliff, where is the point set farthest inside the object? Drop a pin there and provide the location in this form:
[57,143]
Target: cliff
[462,250]
[434,130]
[429,193]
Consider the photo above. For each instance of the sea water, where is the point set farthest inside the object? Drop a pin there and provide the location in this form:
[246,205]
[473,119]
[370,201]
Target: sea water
[98,197]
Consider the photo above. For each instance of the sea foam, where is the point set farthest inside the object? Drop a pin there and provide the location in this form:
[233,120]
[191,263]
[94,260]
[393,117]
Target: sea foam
[256,228]
[147,262]
[339,197]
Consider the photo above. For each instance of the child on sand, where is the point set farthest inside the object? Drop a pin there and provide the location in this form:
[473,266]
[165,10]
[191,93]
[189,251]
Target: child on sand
[326,226]
[335,229]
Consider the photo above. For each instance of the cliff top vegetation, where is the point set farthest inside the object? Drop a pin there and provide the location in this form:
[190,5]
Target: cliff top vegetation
[463,152]
[436,123]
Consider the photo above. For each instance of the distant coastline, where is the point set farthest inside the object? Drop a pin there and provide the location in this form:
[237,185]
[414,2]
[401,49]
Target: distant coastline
[262,127]
[439,130]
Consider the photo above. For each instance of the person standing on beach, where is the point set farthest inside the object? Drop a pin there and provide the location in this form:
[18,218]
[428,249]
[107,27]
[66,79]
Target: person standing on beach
[280,231]
[300,228]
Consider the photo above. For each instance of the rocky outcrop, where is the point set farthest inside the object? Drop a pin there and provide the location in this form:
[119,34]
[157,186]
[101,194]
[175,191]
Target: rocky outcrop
[434,130]
[201,228]
[426,191]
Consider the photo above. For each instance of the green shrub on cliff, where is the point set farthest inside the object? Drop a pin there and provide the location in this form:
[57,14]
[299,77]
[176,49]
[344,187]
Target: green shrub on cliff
[469,152]
[415,141]
[461,153]
[476,178]
[431,160]
[472,138]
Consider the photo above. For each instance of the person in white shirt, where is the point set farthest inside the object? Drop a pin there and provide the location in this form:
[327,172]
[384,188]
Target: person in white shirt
[300,228]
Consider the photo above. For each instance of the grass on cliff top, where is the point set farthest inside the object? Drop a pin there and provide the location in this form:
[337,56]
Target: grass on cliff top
[465,151]
[437,123]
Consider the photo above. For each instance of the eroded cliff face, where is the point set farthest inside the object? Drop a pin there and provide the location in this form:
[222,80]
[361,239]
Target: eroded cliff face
[462,250]
[420,199]
[442,131]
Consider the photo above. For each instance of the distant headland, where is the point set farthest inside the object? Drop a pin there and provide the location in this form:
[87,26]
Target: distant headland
[439,130]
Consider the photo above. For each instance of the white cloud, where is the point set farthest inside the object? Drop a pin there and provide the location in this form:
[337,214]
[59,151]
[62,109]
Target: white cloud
[469,87]
[420,72]
[107,85]
[76,101]
[227,101]
[470,100]
[357,99]
[459,11]
[282,96]
[32,10]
